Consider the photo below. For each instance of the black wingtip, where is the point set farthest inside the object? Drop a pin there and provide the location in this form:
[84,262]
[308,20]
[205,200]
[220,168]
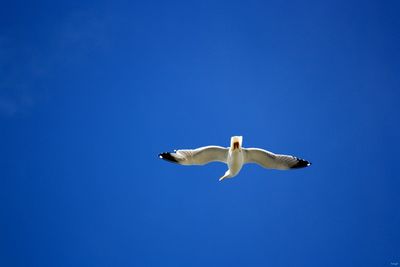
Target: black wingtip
[301,164]
[168,157]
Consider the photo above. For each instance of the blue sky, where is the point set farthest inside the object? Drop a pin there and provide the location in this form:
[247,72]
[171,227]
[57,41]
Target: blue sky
[91,93]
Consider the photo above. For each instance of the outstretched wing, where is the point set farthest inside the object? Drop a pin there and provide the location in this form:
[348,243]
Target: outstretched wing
[270,160]
[199,156]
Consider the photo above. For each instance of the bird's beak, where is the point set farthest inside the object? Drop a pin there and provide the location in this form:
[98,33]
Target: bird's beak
[235,145]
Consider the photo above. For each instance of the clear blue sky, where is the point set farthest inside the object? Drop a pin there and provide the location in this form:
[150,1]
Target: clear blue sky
[90,93]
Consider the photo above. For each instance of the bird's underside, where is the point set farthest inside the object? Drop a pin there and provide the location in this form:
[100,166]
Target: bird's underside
[235,157]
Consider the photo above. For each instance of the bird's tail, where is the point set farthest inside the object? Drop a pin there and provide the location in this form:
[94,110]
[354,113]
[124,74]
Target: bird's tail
[226,175]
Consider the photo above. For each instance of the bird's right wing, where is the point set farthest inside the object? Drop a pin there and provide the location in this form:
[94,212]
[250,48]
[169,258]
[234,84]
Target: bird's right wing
[271,160]
[199,156]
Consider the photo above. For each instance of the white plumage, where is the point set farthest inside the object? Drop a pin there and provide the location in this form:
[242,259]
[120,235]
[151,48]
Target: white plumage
[235,157]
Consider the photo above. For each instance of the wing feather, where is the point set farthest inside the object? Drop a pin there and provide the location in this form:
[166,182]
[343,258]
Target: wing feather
[271,160]
[198,156]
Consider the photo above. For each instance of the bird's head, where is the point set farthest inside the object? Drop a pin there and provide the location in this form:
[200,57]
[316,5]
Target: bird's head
[236,142]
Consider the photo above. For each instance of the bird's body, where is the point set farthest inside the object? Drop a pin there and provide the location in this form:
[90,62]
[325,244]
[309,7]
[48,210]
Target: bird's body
[235,157]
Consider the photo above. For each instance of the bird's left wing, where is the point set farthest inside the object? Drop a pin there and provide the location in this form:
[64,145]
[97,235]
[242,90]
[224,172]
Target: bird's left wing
[271,160]
[199,156]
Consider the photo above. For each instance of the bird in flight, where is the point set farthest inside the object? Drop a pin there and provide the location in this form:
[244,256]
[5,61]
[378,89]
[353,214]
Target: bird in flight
[235,157]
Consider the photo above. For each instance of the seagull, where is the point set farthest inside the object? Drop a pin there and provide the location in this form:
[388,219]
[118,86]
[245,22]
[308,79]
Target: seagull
[235,157]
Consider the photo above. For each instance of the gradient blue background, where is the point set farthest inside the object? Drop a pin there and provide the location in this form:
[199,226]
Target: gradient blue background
[90,93]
